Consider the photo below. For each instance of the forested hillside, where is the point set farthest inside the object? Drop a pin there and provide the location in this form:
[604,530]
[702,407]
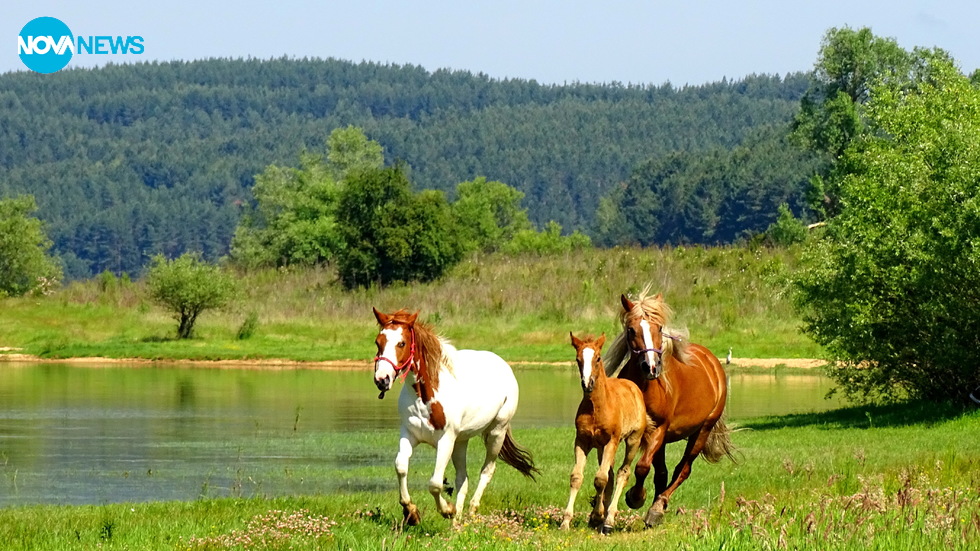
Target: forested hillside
[128,161]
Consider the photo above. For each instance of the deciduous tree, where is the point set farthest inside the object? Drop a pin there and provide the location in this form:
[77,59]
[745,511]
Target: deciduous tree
[24,262]
[392,234]
[488,214]
[892,290]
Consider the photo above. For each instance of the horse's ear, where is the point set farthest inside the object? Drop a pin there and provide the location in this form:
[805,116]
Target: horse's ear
[412,318]
[601,341]
[382,318]
[660,297]
[575,342]
[627,305]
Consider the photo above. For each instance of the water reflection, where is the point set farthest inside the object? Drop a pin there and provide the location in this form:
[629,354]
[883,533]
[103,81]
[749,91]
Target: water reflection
[76,435]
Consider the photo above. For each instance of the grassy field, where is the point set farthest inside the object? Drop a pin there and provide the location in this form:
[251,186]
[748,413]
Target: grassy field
[520,307]
[897,477]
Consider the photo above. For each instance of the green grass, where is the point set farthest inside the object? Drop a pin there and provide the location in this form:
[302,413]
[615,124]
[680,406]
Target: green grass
[520,307]
[896,477]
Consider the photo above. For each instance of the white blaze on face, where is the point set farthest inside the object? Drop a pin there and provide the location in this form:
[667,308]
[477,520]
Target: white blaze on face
[588,357]
[384,369]
[648,342]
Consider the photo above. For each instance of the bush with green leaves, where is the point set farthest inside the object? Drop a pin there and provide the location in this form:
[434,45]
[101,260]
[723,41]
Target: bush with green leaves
[391,234]
[25,266]
[892,289]
[188,286]
[787,229]
[548,241]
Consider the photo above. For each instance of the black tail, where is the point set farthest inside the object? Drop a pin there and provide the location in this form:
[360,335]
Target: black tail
[518,457]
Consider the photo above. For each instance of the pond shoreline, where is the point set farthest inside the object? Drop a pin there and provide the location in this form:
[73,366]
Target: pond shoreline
[7,355]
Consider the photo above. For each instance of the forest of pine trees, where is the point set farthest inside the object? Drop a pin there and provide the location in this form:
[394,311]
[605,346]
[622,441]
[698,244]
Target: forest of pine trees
[129,161]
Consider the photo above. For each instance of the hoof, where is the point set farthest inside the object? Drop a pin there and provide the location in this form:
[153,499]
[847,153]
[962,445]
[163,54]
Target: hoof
[606,530]
[565,525]
[595,521]
[449,513]
[412,515]
[654,518]
[635,497]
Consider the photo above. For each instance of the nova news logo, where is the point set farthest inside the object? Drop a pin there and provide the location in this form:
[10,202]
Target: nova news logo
[46,45]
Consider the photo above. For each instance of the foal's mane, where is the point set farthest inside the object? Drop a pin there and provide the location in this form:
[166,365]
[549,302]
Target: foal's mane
[656,311]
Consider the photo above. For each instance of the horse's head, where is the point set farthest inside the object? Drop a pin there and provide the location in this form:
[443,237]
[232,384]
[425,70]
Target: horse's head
[644,336]
[589,359]
[396,348]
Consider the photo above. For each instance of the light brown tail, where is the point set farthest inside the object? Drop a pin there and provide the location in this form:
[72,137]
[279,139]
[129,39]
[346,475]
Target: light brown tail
[719,444]
[517,457]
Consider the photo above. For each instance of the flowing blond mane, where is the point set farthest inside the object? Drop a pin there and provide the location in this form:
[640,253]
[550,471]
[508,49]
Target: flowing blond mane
[653,309]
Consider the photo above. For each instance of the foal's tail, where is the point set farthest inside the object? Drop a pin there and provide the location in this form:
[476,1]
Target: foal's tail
[719,444]
[517,457]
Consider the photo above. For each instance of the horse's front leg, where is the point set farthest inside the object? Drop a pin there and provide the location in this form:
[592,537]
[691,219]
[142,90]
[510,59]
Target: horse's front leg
[683,469]
[653,441]
[575,482]
[444,451]
[406,445]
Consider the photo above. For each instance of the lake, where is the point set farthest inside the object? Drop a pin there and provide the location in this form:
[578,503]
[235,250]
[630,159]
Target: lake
[89,435]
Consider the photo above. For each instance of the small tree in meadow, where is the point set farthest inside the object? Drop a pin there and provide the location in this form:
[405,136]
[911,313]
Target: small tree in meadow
[188,286]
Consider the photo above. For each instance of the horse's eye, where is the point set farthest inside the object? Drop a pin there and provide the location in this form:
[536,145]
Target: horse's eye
[401,344]
[632,332]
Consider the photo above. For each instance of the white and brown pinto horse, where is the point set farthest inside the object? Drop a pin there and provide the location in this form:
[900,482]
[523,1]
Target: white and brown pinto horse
[449,397]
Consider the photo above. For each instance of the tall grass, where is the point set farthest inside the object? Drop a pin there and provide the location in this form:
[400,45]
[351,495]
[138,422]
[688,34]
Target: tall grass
[519,306]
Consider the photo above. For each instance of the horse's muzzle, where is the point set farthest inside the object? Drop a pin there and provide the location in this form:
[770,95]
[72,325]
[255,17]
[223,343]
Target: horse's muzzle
[654,371]
[383,384]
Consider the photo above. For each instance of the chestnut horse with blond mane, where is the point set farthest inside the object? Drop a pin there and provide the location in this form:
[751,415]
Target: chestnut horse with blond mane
[449,397]
[684,388]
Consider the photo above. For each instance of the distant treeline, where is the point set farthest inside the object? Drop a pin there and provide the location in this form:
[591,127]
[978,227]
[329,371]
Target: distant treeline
[128,161]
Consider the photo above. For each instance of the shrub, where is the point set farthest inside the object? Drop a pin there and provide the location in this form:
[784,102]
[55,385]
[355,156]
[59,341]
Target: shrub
[188,286]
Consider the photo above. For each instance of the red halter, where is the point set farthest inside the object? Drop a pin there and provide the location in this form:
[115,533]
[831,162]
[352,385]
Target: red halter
[405,366]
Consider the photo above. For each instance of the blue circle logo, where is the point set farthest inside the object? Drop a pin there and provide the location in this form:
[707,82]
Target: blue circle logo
[45,45]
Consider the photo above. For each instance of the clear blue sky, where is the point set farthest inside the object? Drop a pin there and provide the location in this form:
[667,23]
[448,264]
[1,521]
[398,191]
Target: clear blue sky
[551,41]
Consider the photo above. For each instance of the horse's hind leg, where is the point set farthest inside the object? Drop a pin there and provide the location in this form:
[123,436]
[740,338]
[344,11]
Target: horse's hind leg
[462,480]
[494,440]
[406,446]
[612,504]
[603,491]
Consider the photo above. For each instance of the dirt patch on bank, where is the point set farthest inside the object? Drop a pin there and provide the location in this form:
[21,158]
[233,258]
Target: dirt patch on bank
[806,363]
